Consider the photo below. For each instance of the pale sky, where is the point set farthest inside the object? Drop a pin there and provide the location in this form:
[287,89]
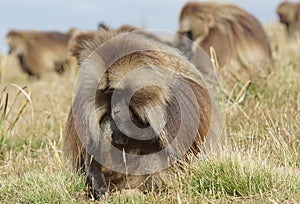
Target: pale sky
[60,15]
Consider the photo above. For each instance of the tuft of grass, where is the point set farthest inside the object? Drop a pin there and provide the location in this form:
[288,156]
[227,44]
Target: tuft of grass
[56,187]
[229,177]
[6,110]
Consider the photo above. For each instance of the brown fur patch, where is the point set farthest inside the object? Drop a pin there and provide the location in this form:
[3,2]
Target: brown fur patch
[240,42]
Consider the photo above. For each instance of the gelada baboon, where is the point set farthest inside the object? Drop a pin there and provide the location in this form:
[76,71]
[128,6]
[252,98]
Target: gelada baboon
[139,105]
[39,52]
[289,15]
[238,38]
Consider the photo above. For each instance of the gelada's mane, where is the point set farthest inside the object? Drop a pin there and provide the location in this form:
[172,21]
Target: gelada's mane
[230,20]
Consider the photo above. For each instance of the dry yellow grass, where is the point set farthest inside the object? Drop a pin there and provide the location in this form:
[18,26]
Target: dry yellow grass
[259,159]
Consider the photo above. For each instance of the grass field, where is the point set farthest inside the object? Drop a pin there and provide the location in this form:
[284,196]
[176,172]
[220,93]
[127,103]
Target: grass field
[259,159]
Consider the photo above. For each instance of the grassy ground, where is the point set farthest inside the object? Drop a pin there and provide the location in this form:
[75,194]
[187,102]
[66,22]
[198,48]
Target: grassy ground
[259,161]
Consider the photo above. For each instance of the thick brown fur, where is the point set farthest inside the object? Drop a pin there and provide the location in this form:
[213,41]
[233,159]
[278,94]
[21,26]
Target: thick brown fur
[238,38]
[289,15]
[169,64]
[39,52]
[79,39]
